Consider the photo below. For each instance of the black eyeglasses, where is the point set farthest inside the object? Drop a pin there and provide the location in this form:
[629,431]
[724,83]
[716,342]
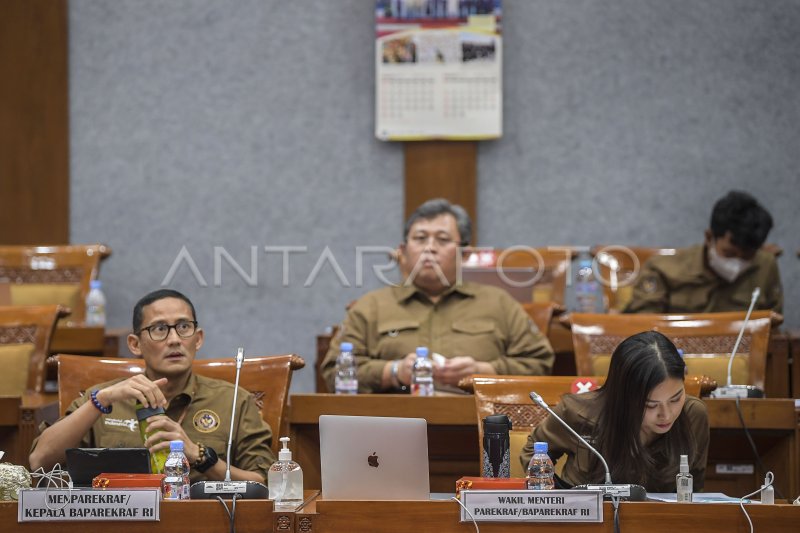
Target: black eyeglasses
[159,332]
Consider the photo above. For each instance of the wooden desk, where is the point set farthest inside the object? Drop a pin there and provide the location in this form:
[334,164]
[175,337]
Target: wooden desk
[453,436]
[198,516]
[19,423]
[324,516]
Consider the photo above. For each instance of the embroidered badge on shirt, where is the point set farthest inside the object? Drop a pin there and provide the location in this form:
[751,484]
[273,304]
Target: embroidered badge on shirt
[130,423]
[206,421]
[649,285]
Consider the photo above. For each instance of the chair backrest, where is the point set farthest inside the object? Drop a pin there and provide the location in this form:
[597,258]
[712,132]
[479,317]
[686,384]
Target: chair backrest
[509,395]
[618,269]
[542,313]
[25,333]
[40,275]
[548,269]
[706,339]
[267,378]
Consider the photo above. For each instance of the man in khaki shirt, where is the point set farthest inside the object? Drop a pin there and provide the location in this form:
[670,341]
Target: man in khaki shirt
[719,275]
[478,329]
[198,409]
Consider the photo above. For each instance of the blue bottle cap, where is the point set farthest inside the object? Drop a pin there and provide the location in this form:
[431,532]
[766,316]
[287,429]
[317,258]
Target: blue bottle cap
[347,346]
[539,447]
[422,351]
[95,284]
[176,445]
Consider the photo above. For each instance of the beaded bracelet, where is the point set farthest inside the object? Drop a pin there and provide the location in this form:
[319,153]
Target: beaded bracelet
[96,403]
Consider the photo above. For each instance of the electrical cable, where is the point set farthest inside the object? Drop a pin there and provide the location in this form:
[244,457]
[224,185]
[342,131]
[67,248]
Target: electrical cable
[56,479]
[474,523]
[771,477]
[230,512]
[759,463]
[615,503]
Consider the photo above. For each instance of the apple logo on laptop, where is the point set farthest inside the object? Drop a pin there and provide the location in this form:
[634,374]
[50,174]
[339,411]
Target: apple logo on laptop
[373,460]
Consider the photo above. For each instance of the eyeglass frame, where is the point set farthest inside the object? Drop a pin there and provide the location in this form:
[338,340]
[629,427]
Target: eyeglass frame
[169,328]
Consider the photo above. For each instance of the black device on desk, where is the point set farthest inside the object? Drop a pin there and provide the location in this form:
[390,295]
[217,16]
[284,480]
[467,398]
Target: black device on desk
[84,464]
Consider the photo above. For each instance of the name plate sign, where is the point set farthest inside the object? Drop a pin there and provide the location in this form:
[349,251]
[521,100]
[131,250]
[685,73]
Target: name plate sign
[48,505]
[532,505]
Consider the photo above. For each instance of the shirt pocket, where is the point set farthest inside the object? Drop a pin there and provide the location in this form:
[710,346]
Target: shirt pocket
[397,337]
[477,338]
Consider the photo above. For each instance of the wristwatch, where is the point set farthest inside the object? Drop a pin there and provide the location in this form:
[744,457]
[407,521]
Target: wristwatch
[207,458]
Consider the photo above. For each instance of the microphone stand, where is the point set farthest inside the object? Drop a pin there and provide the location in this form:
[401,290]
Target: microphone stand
[610,490]
[227,489]
[739,391]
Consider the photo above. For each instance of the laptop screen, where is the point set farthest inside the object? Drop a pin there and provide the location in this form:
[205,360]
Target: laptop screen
[374,458]
[84,464]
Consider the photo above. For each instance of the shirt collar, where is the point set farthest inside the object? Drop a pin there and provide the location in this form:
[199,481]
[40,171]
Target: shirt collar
[189,390]
[406,292]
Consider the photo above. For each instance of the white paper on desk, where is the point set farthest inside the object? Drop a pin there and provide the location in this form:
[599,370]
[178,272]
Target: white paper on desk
[697,497]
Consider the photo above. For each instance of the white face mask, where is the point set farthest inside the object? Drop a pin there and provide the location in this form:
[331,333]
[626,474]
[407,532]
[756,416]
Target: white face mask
[728,268]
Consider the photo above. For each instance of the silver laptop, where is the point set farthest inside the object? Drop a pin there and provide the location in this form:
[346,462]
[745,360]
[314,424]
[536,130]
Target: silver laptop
[373,458]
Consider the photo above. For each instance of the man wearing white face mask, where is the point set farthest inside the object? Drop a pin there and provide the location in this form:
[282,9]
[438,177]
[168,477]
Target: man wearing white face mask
[720,274]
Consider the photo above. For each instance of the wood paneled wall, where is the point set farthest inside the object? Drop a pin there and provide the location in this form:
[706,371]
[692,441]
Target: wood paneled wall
[446,169]
[34,123]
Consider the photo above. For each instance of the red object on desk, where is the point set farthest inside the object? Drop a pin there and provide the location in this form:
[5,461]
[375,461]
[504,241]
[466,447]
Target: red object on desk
[490,483]
[127,481]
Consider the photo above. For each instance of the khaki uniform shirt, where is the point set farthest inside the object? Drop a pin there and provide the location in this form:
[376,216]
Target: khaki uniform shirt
[683,283]
[469,320]
[581,412]
[203,409]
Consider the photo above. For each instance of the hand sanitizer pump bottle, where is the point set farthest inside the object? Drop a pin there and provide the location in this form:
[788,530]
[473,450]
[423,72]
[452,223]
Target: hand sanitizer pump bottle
[684,481]
[285,480]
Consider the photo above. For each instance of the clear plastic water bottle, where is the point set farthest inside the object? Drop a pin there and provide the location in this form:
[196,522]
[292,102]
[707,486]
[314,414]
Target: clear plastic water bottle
[175,486]
[588,298]
[346,381]
[95,304]
[422,374]
[540,469]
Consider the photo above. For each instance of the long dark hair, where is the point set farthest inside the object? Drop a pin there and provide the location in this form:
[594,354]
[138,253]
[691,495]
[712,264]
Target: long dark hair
[638,365]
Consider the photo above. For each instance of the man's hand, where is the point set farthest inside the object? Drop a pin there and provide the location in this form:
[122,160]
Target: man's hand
[162,429]
[139,387]
[456,368]
[404,368]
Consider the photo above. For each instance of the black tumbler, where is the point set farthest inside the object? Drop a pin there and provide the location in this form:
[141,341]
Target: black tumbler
[496,458]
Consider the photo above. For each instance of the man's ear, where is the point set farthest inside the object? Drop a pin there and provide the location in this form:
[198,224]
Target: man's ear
[709,237]
[199,337]
[133,345]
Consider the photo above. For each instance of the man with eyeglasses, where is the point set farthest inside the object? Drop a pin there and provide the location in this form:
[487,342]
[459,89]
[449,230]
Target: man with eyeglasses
[197,408]
[477,329]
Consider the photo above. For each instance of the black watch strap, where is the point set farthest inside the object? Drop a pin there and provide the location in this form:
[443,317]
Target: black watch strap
[209,459]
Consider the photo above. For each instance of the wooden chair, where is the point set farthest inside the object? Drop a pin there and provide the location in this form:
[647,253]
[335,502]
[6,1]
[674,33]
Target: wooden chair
[267,378]
[705,338]
[547,270]
[25,334]
[618,269]
[509,395]
[40,275]
[542,314]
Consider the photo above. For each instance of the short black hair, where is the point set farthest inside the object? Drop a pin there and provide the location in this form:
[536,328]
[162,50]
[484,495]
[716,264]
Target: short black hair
[439,206]
[742,215]
[160,294]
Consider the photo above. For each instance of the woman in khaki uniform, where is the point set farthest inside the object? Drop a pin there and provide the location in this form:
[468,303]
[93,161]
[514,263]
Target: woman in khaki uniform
[641,421]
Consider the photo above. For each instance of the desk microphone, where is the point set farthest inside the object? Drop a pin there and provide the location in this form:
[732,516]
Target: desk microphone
[739,391]
[248,490]
[625,491]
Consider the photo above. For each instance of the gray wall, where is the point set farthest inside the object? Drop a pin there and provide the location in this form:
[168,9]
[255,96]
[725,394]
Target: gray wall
[239,124]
